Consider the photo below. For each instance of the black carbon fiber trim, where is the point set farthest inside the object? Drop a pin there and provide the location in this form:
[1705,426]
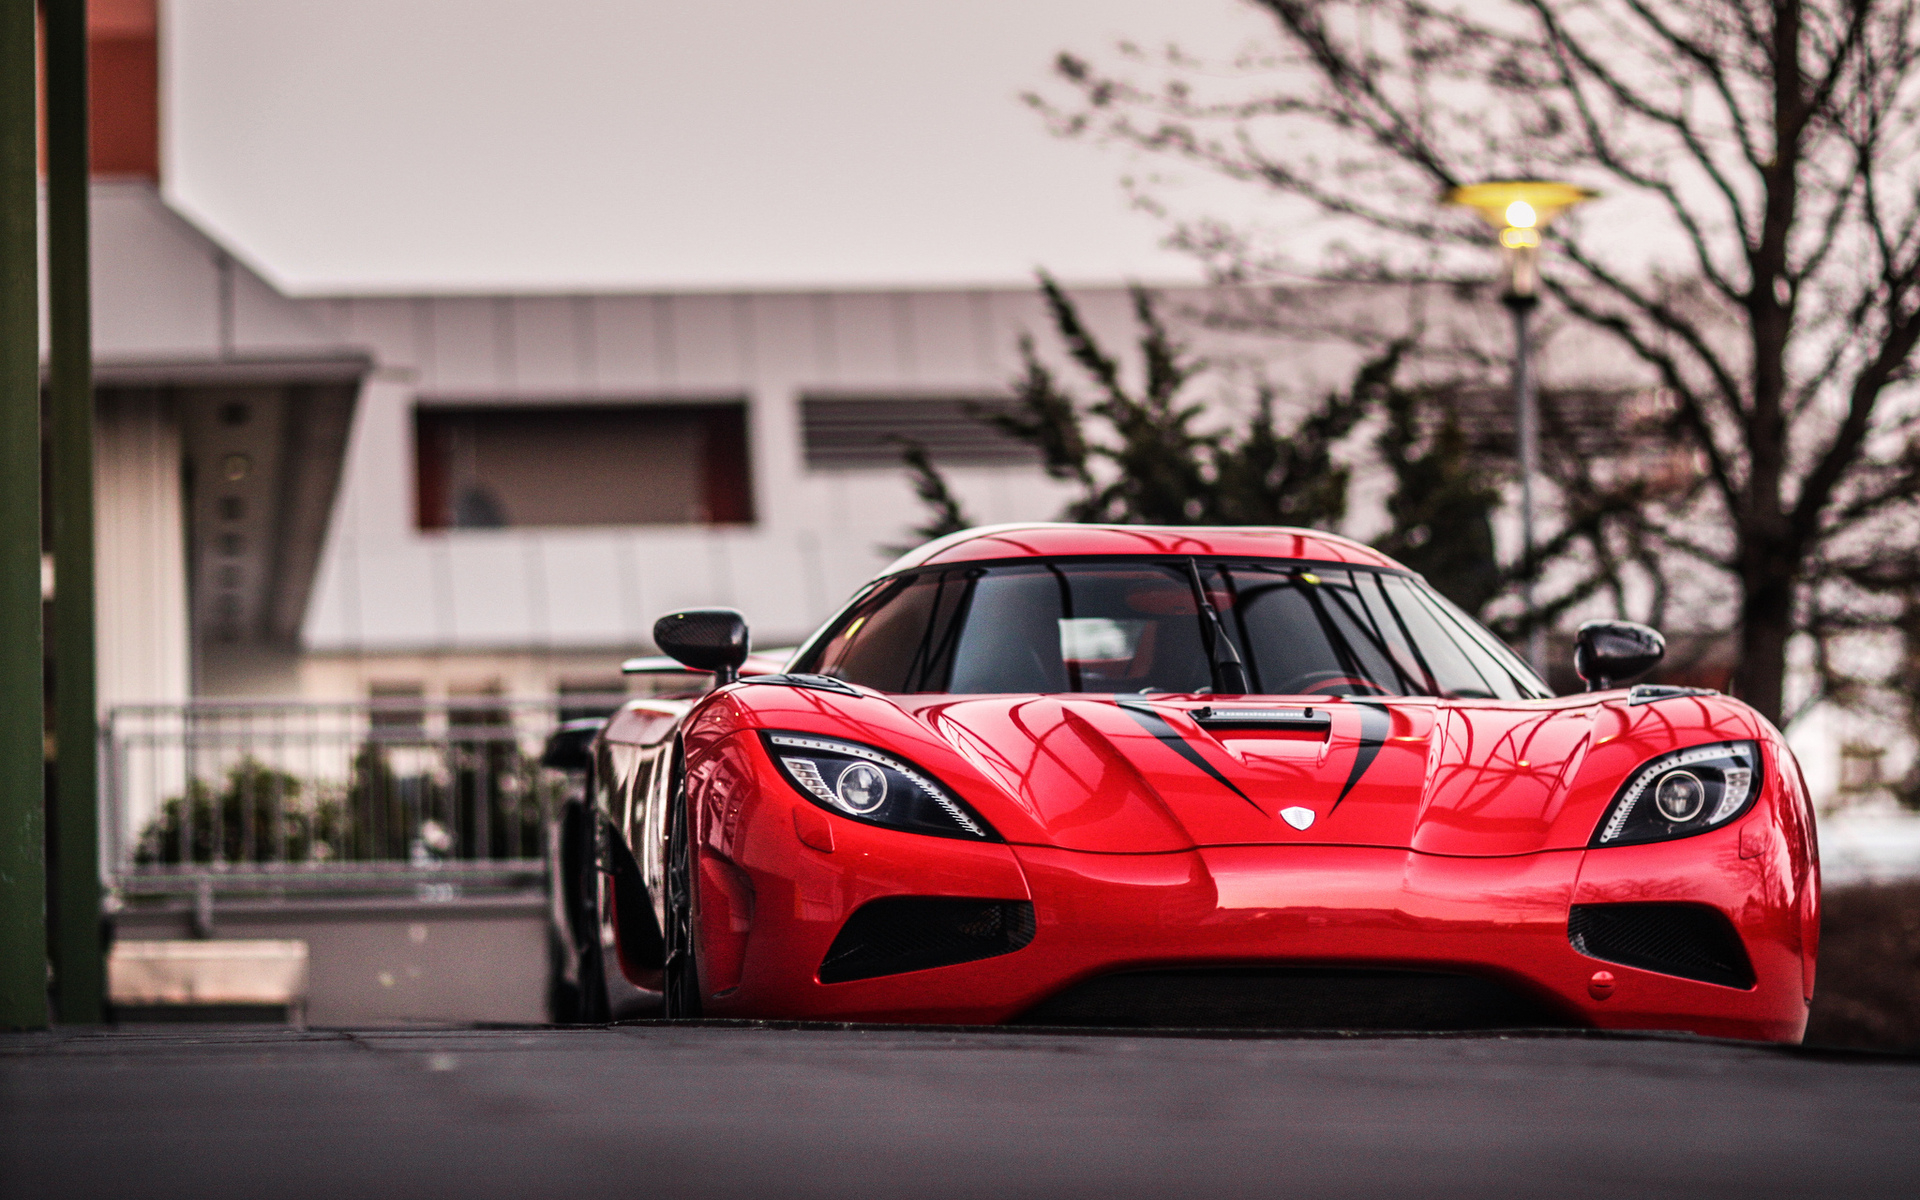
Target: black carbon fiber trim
[1688,940]
[1293,998]
[1375,724]
[1158,726]
[914,933]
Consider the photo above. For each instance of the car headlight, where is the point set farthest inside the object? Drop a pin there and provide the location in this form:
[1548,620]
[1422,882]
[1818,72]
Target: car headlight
[1681,794]
[862,783]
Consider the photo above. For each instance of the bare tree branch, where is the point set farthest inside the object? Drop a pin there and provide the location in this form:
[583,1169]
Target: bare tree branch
[1777,142]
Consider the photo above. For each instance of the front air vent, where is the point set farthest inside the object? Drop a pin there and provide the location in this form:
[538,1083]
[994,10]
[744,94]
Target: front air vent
[914,933]
[1293,998]
[1688,940]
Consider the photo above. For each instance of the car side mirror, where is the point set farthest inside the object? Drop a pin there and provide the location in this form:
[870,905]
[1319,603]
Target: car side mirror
[706,639]
[570,747]
[1609,653]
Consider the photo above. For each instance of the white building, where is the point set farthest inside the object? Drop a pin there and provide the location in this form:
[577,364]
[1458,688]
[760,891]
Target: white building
[327,497]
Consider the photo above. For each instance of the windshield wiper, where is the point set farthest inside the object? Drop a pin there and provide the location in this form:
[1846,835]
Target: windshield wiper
[1229,672]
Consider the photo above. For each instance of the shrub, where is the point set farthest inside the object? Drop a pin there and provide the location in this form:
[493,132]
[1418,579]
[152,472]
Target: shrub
[1867,992]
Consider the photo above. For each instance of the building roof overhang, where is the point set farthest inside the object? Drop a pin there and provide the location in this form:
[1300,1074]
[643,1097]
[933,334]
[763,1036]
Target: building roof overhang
[239,371]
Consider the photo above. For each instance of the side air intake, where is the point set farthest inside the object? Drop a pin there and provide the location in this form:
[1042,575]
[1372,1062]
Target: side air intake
[914,933]
[1688,940]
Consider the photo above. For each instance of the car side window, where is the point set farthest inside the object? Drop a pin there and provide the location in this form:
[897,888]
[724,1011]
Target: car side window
[899,640]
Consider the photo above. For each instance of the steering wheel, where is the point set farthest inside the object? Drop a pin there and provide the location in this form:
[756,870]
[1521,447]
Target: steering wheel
[1331,683]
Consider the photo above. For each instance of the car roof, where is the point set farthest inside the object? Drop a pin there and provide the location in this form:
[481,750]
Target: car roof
[1052,539]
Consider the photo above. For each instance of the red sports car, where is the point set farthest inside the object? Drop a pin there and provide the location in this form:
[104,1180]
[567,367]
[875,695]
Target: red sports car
[1086,775]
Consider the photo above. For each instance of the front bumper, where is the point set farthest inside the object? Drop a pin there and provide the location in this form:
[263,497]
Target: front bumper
[771,904]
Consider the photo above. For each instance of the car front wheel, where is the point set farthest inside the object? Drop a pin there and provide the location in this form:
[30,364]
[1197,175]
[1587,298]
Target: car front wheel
[682,971]
[584,999]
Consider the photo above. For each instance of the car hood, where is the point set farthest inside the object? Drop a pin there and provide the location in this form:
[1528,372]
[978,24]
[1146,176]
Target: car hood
[1135,774]
[1138,774]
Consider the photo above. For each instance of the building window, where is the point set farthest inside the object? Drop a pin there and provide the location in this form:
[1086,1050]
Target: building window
[475,710]
[398,710]
[870,431]
[499,466]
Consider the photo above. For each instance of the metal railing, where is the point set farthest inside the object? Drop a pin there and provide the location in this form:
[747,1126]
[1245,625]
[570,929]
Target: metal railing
[431,798]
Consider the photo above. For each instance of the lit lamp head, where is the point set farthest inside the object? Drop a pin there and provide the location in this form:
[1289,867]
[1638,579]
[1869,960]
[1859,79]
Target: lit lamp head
[1519,209]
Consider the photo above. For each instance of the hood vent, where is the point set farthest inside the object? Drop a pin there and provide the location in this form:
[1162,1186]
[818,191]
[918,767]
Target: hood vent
[1312,720]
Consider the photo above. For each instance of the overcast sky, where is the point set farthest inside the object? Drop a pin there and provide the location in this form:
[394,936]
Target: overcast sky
[394,145]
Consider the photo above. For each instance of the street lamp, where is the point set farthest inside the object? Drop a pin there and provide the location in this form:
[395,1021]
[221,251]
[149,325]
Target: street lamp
[1520,209]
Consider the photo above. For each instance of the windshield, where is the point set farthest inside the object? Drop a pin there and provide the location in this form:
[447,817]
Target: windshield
[1077,625]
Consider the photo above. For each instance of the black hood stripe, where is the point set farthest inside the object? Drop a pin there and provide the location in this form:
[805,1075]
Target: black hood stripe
[1157,725]
[1375,723]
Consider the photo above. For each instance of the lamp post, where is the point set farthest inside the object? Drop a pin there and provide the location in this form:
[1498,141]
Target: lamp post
[1520,209]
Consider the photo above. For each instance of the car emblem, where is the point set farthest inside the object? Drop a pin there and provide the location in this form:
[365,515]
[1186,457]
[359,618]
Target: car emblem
[1299,818]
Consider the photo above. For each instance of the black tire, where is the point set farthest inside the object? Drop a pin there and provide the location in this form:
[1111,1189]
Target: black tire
[681,982]
[580,897]
[636,931]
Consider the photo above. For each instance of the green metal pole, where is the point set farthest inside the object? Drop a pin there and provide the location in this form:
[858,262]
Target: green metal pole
[23,896]
[79,959]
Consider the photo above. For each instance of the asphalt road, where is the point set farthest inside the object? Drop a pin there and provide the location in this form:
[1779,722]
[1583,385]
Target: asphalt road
[707,1111]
